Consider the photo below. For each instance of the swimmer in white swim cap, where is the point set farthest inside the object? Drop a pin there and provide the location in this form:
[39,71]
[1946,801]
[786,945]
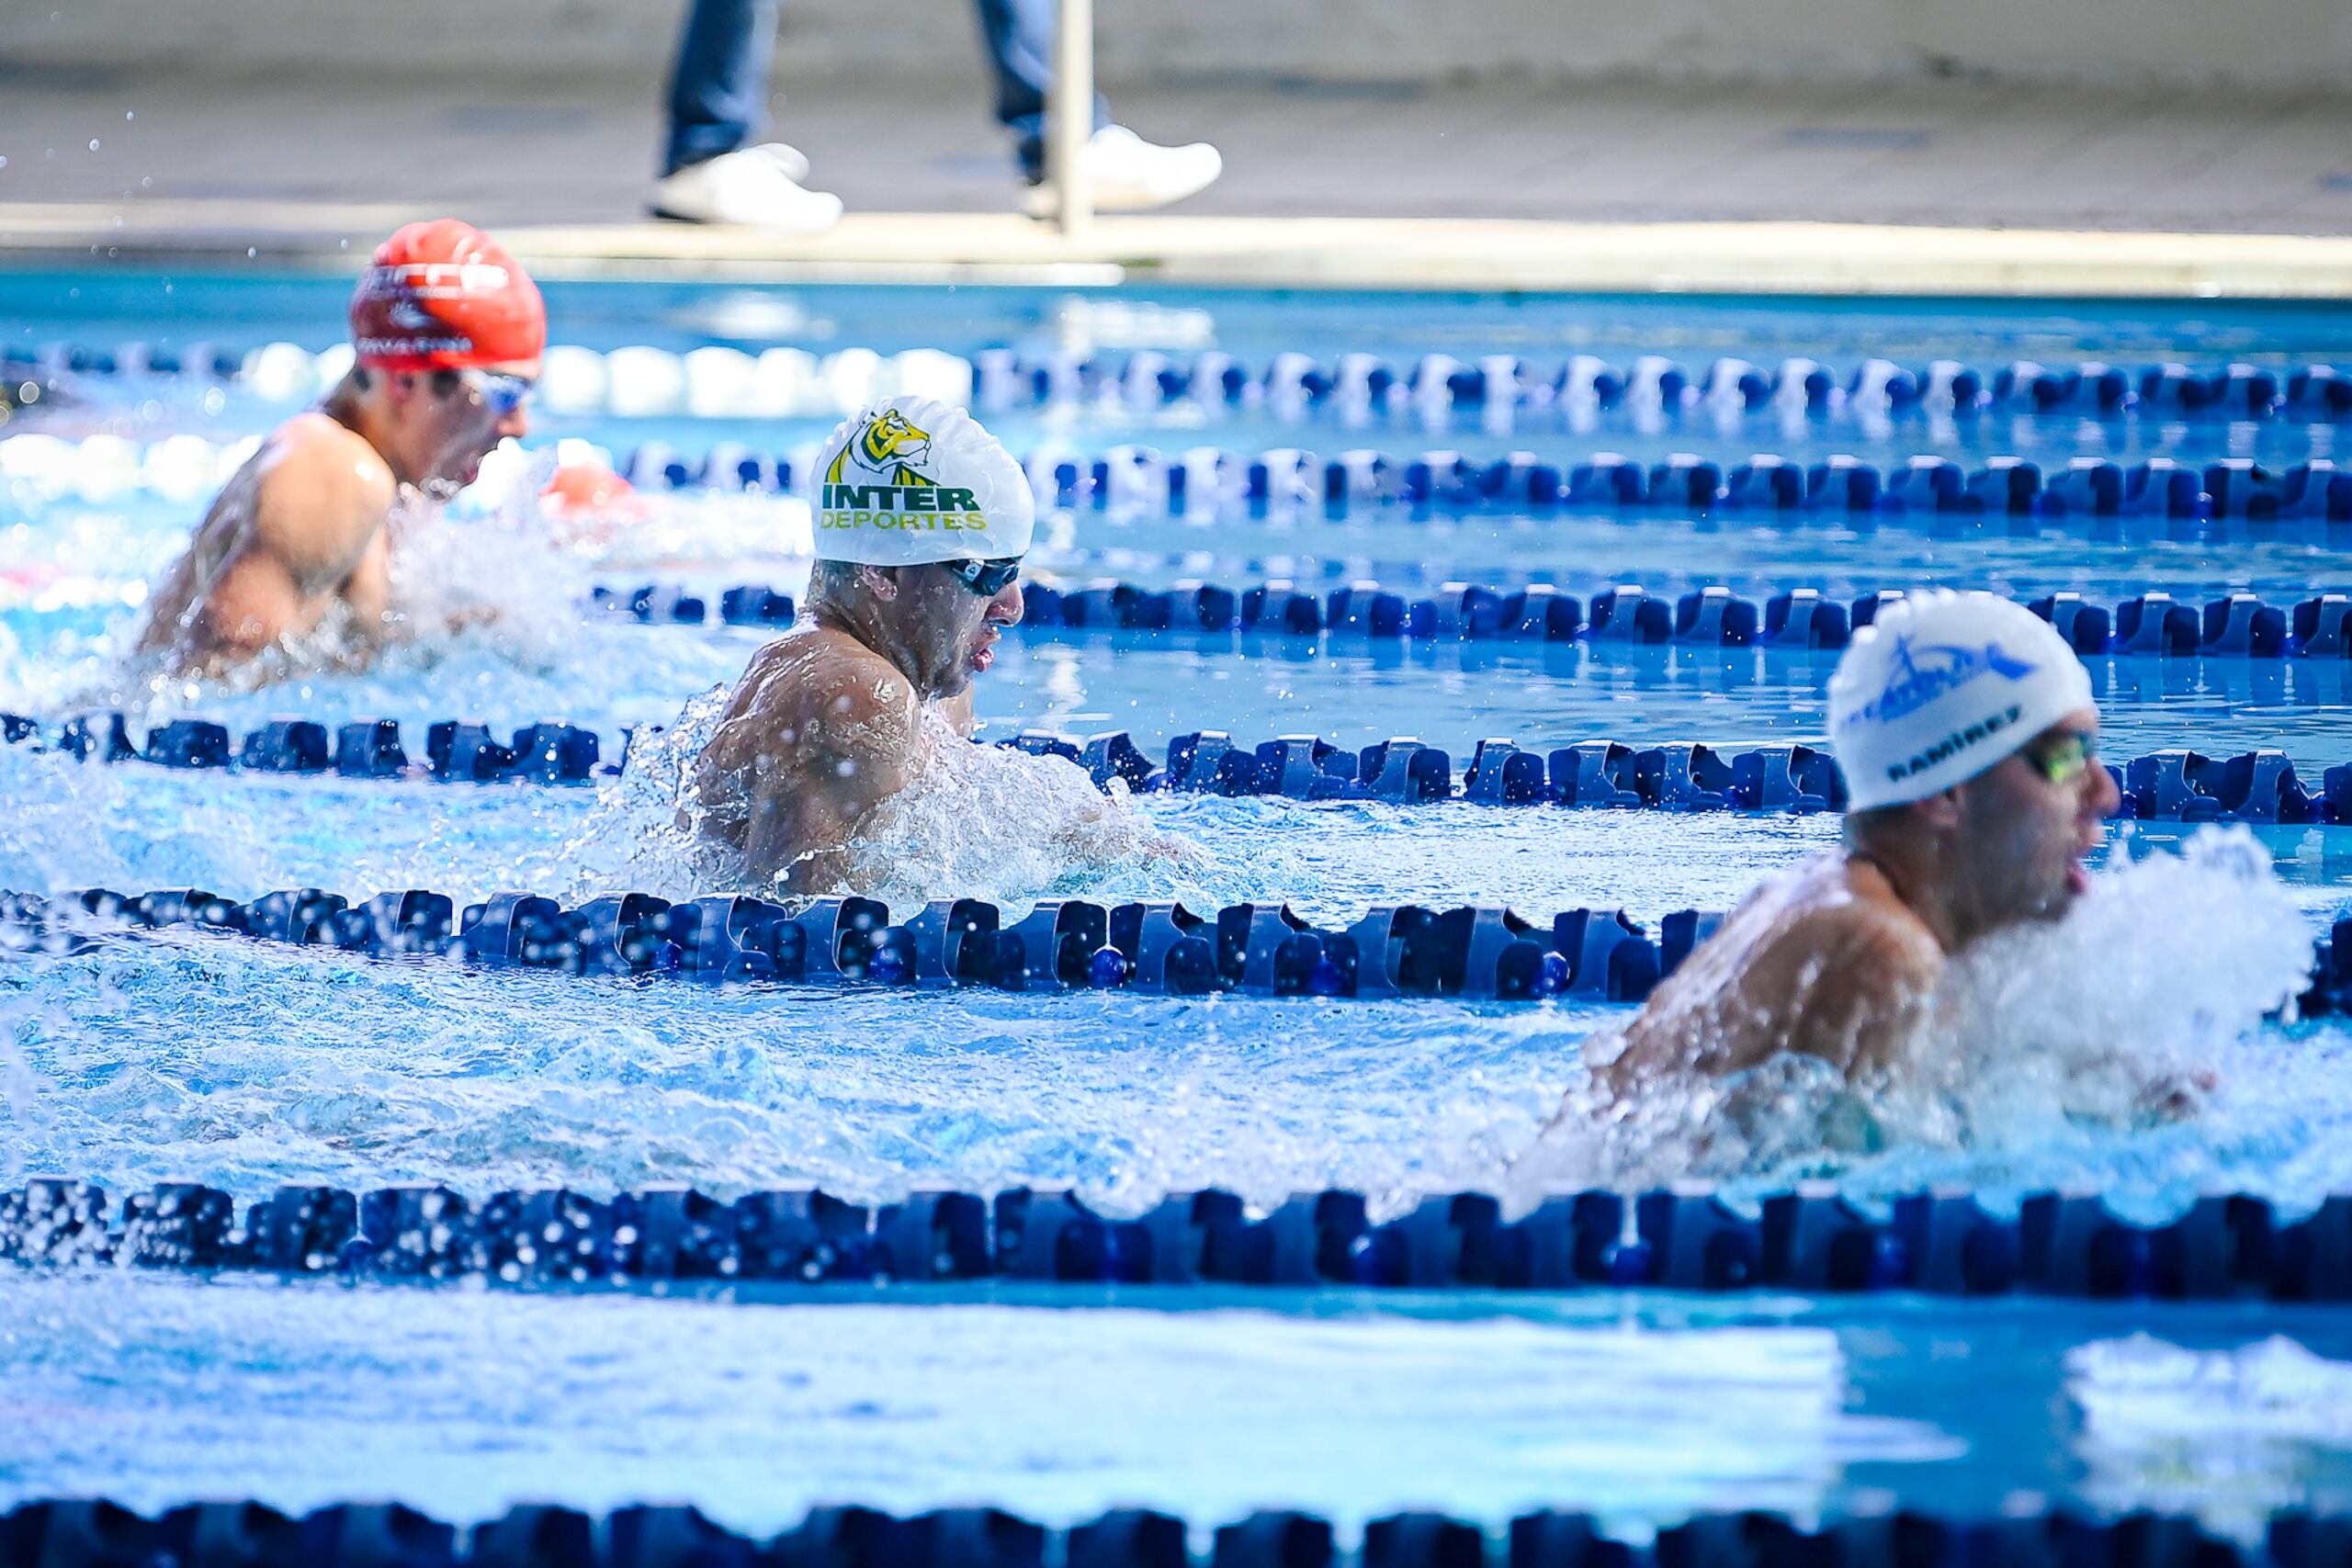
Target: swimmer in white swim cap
[1966,731]
[921,519]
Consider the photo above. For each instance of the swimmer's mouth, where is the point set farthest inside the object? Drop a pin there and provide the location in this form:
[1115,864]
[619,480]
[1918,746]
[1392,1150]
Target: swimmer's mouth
[2078,873]
[983,654]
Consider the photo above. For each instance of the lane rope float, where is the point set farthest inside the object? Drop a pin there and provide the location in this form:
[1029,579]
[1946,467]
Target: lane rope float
[1685,1237]
[1138,480]
[2173,785]
[90,1533]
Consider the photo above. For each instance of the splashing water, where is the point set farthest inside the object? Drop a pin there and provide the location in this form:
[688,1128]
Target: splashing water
[2123,1015]
[56,834]
[1014,825]
[975,822]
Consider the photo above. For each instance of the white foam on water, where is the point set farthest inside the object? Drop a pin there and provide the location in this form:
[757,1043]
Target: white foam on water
[976,822]
[53,833]
[2133,1013]
[1015,827]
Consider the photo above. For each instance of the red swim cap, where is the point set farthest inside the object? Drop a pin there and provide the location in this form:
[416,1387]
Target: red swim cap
[445,296]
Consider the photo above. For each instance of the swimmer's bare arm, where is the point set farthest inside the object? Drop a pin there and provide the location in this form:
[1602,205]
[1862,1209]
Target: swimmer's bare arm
[368,589]
[317,510]
[841,740]
[1860,997]
[1847,983]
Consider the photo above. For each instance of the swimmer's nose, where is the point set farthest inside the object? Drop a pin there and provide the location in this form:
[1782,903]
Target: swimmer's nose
[1007,609]
[2103,796]
[514,424]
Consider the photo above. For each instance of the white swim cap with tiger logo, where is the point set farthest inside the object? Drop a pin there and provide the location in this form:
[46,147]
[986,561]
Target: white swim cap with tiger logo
[909,480]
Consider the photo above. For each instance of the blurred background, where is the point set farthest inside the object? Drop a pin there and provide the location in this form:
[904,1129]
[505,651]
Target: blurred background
[2174,114]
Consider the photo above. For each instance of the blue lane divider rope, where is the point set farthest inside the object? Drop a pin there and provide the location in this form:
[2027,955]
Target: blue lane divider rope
[2175,786]
[1440,383]
[1686,1238]
[1162,949]
[2238,625]
[1138,480]
[1135,478]
[1434,384]
[455,751]
[1477,951]
[91,1533]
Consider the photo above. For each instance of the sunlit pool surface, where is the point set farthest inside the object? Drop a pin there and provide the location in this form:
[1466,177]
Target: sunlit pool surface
[179,1056]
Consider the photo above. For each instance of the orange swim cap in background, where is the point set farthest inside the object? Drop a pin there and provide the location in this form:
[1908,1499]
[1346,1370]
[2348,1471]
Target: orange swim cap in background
[577,492]
[445,296]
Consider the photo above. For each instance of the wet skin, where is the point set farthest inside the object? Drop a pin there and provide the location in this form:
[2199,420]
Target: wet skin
[1842,957]
[826,723]
[305,525]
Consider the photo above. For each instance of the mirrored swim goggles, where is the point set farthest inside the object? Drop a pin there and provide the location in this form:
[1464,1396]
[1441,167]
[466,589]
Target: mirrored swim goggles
[501,394]
[2062,759]
[985,578]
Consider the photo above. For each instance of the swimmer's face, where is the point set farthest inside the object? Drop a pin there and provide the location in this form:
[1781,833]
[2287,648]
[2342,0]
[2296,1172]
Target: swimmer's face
[2026,825]
[951,631]
[451,420]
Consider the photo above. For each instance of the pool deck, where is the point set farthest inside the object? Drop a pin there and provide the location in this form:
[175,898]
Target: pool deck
[1937,186]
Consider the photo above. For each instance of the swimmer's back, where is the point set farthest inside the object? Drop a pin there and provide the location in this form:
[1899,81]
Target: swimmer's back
[1827,961]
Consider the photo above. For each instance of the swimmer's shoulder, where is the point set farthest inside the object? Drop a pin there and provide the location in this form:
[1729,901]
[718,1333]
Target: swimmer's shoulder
[315,471]
[1859,971]
[1843,917]
[825,677]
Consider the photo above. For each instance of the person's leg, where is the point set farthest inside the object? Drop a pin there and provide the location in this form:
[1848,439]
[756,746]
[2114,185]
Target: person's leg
[718,91]
[1020,39]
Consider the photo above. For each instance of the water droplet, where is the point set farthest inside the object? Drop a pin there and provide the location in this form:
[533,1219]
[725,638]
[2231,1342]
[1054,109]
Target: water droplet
[131,114]
[94,144]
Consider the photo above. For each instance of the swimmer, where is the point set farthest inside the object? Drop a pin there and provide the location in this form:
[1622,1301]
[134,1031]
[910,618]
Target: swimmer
[447,332]
[921,523]
[1965,729]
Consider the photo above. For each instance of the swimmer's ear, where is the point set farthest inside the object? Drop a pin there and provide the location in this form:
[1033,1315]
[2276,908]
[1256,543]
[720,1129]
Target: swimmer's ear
[1940,811]
[882,582]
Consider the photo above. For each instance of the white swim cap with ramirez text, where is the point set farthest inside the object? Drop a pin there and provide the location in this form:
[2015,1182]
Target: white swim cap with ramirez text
[909,480]
[1942,686]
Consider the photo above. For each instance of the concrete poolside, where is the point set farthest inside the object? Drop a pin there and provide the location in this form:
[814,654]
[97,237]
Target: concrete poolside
[1901,187]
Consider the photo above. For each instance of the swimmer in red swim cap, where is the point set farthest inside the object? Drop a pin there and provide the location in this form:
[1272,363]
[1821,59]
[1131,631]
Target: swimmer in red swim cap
[446,333]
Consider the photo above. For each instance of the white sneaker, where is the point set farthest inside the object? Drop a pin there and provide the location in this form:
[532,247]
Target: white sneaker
[1130,175]
[757,187]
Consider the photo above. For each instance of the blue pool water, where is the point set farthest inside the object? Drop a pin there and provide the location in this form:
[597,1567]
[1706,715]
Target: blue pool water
[243,1065]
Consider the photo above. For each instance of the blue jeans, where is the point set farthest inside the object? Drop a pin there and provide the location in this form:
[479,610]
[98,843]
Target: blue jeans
[718,91]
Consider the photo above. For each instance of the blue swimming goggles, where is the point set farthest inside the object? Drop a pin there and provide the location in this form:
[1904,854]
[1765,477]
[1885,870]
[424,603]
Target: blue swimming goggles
[985,578]
[501,394]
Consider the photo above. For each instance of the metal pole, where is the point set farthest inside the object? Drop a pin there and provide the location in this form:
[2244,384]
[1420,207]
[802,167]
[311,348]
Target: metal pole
[1070,116]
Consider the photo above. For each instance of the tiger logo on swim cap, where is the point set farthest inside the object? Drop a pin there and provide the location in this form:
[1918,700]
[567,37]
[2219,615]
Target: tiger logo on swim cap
[909,481]
[885,448]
